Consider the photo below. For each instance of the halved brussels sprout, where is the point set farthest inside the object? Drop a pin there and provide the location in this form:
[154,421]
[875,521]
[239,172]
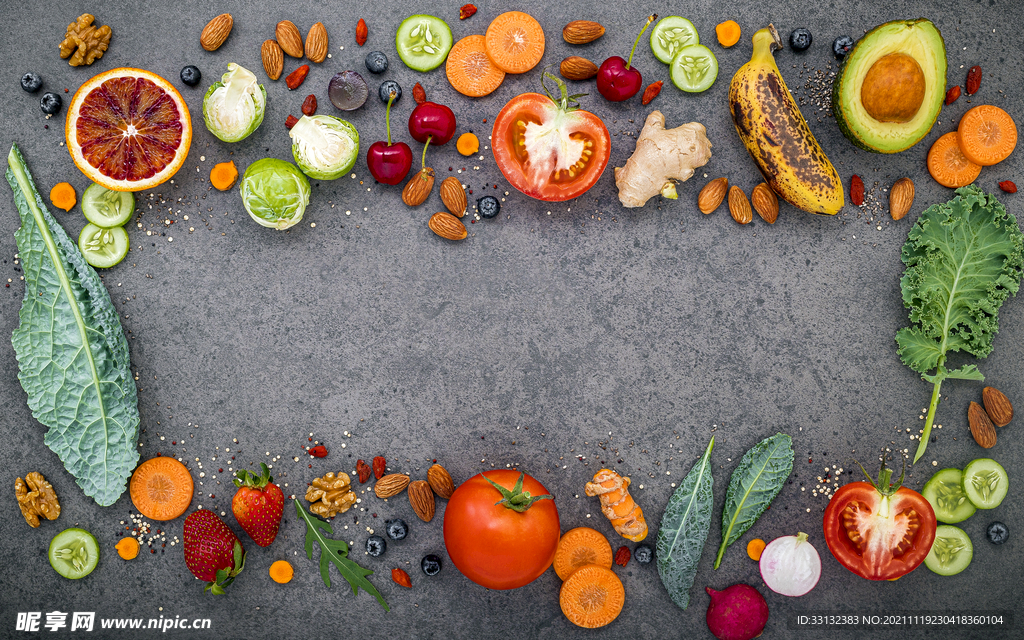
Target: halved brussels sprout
[324,147]
[233,108]
[275,193]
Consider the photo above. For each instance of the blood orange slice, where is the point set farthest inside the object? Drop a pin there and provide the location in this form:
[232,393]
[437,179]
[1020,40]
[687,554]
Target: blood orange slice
[128,129]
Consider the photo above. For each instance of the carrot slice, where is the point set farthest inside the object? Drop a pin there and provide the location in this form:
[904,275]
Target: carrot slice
[987,135]
[580,547]
[161,488]
[470,71]
[515,42]
[592,597]
[947,164]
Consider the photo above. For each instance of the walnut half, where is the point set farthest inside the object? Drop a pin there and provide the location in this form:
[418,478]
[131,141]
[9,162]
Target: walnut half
[40,501]
[330,495]
[85,41]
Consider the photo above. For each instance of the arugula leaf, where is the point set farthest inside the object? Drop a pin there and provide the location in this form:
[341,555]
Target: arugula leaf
[964,258]
[684,530]
[335,551]
[754,484]
[71,350]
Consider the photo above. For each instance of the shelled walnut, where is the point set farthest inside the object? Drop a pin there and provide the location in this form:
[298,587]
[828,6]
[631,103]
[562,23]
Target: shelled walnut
[40,501]
[330,495]
[86,41]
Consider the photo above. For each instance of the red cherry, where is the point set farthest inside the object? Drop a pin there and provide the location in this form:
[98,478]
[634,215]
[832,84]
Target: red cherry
[389,163]
[432,121]
[616,79]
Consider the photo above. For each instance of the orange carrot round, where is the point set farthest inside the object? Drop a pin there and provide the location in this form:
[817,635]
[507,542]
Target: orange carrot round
[728,33]
[592,597]
[515,42]
[62,195]
[224,175]
[754,548]
[161,488]
[127,548]
[947,164]
[470,71]
[281,572]
[580,547]
[986,135]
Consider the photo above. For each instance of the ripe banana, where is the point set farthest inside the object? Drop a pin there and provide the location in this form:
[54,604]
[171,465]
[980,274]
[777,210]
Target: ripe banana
[775,133]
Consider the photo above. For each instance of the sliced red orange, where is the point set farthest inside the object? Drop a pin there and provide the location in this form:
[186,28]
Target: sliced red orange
[128,129]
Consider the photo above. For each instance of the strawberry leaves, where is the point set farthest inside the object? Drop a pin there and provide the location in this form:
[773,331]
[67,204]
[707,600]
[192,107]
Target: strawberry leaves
[336,552]
[226,576]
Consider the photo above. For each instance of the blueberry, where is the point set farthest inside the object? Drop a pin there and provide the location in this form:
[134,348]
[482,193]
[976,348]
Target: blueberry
[31,82]
[376,62]
[386,88]
[842,45]
[431,565]
[488,206]
[643,554]
[998,533]
[191,75]
[50,103]
[800,39]
[397,529]
[376,546]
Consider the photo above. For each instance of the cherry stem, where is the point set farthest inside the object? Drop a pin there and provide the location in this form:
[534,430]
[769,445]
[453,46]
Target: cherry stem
[387,115]
[423,160]
[633,50]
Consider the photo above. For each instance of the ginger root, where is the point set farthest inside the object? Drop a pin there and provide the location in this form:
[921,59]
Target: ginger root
[662,157]
[617,505]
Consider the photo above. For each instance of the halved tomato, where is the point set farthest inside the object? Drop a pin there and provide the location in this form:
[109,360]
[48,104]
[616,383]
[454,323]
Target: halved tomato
[550,150]
[880,531]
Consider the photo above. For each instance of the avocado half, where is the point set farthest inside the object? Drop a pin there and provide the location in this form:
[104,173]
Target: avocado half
[904,41]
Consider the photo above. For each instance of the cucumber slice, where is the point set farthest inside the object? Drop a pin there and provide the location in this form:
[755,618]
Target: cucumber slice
[671,34]
[951,552]
[103,248]
[985,483]
[945,492]
[106,208]
[694,68]
[74,553]
[423,42]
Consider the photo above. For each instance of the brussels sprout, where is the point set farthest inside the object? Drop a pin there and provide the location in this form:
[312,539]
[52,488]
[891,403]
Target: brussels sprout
[233,108]
[275,193]
[324,147]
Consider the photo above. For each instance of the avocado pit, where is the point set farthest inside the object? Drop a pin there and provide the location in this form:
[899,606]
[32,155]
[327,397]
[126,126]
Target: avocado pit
[893,89]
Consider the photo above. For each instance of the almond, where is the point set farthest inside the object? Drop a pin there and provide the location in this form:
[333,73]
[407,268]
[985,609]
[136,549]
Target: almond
[447,226]
[216,32]
[901,197]
[997,406]
[765,203]
[273,59]
[739,206]
[289,38]
[441,481]
[453,196]
[418,188]
[391,485]
[316,43]
[577,68]
[582,32]
[712,195]
[981,426]
[421,497]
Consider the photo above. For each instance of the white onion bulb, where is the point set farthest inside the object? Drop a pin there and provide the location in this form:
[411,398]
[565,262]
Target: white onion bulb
[790,565]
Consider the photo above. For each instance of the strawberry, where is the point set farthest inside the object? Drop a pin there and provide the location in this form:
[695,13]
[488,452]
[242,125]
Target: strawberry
[258,505]
[213,552]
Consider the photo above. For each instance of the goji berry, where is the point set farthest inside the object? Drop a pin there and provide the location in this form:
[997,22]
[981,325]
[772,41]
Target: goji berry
[952,95]
[380,467]
[651,92]
[856,190]
[319,451]
[1008,186]
[418,94]
[361,32]
[363,470]
[466,11]
[309,105]
[297,77]
[622,556]
[973,80]
[401,577]
[290,121]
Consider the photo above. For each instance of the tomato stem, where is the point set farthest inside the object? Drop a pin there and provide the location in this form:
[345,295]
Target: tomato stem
[633,50]
[516,499]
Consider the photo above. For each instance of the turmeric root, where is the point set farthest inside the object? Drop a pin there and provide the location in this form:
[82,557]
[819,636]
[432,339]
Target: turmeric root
[662,157]
[617,505]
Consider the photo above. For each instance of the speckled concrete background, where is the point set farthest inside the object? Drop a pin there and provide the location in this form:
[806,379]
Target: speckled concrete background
[557,338]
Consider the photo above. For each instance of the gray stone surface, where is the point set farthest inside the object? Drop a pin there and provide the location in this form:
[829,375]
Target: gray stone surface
[556,343]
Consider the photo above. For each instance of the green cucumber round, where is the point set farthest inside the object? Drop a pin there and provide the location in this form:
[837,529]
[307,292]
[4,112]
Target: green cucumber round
[101,247]
[985,482]
[74,553]
[423,42]
[694,69]
[671,34]
[945,492]
[106,208]
[951,552]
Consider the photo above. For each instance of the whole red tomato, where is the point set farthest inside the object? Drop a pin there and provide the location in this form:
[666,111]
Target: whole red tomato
[549,149]
[501,538]
[879,531]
